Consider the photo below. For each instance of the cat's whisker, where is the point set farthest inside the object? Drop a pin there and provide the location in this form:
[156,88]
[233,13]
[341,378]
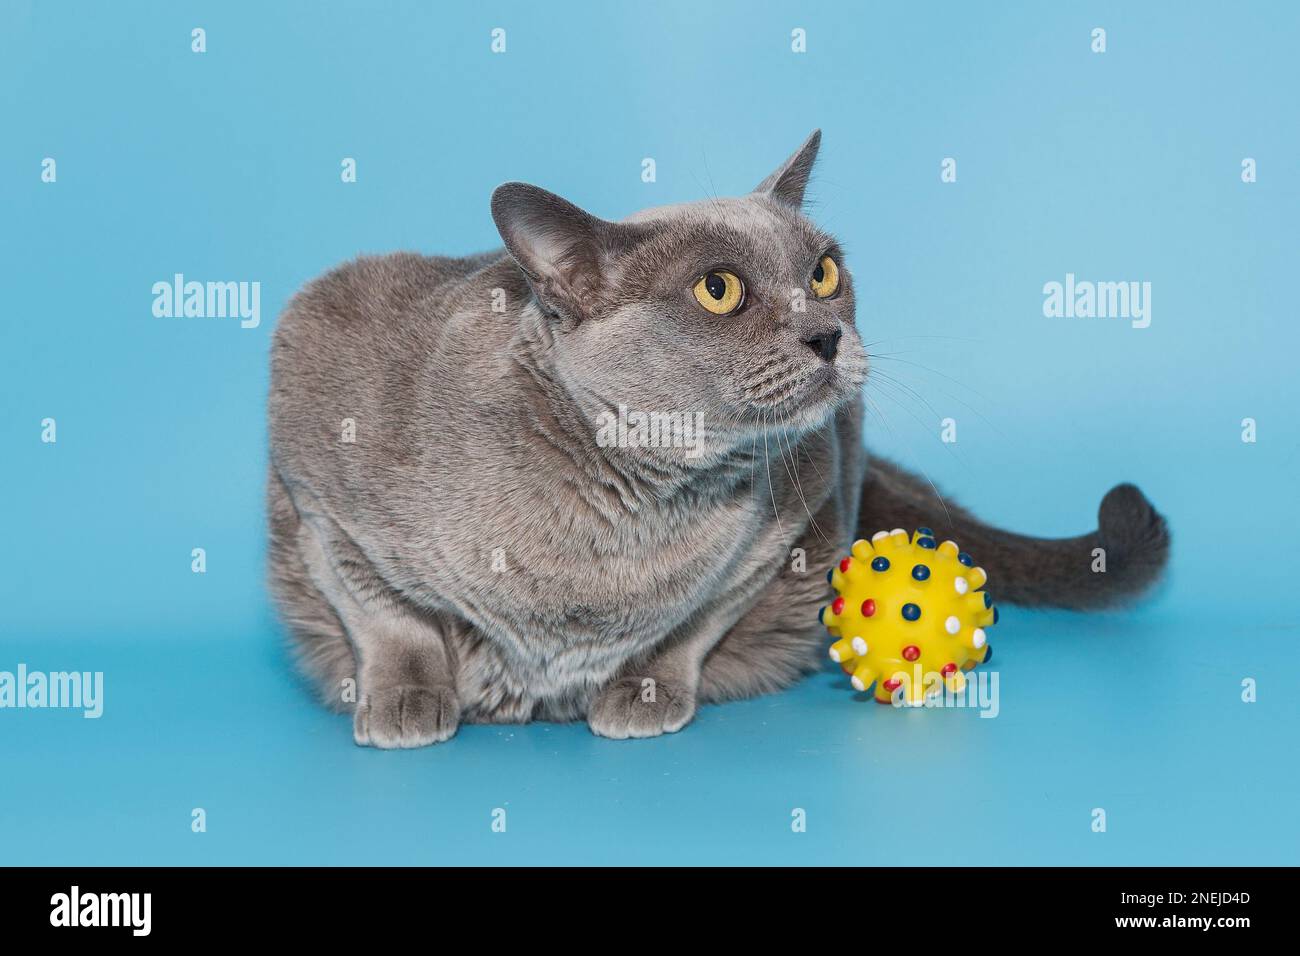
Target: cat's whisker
[767,462]
[793,461]
[949,338]
[880,414]
[947,447]
[892,357]
[883,376]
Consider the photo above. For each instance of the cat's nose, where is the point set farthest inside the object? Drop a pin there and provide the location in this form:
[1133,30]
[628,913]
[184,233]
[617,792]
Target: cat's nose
[825,344]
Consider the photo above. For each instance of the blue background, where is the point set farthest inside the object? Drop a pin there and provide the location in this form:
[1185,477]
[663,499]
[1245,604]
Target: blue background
[225,166]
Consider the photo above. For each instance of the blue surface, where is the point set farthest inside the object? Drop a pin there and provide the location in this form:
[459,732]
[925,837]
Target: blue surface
[225,166]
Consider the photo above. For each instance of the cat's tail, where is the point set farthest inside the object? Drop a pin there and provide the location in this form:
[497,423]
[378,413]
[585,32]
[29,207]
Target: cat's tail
[1132,537]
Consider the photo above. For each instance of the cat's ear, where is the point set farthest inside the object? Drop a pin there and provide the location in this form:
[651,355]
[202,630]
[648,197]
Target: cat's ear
[788,183]
[566,253]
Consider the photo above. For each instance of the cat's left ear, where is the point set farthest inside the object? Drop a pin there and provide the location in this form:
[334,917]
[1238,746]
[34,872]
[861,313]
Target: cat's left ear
[788,183]
[567,254]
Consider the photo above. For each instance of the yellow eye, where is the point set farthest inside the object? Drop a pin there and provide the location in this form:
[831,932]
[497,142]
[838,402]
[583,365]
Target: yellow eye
[720,292]
[825,278]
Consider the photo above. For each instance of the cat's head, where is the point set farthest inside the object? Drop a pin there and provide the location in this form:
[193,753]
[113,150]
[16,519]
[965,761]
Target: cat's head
[737,311]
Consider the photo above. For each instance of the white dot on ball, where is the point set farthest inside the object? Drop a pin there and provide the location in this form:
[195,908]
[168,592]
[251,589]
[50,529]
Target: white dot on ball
[962,585]
[859,646]
[857,684]
[952,625]
[835,655]
[979,637]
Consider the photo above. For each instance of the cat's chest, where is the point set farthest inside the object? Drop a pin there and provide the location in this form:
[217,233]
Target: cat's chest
[613,589]
[663,559]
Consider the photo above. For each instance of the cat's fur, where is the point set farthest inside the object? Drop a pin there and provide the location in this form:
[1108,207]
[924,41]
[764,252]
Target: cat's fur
[476,448]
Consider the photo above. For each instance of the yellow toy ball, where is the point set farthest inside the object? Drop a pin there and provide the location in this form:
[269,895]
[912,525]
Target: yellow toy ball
[910,617]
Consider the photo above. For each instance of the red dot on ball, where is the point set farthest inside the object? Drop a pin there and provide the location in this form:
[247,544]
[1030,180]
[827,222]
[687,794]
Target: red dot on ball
[893,684]
[844,566]
[868,607]
[911,652]
[949,668]
[837,606]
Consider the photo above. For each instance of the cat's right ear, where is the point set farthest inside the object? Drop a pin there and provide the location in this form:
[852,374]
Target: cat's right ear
[789,181]
[566,253]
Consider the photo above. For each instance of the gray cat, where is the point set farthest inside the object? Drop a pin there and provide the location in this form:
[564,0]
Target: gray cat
[459,533]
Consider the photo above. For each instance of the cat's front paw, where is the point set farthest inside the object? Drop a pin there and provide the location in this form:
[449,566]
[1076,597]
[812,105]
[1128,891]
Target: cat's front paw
[406,717]
[641,707]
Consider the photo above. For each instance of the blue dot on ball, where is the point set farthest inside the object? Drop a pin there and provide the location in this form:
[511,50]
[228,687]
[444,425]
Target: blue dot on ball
[926,543]
[988,653]
[965,559]
[821,615]
[988,599]
[911,612]
[920,572]
[828,575]
[996,615]
[880,564]
[925,531]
